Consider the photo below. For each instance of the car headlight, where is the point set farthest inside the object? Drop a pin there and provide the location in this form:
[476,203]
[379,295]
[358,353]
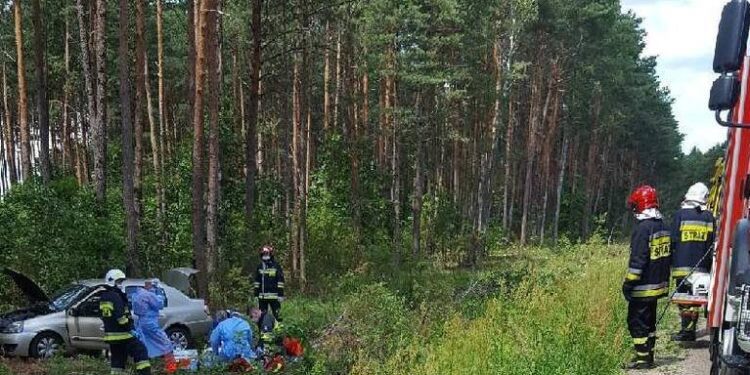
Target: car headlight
[15,327]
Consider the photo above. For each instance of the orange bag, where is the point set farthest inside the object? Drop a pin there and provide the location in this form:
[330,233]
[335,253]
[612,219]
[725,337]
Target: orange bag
[293,346]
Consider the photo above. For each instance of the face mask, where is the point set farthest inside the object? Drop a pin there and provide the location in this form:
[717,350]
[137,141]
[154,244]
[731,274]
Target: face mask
[266,257]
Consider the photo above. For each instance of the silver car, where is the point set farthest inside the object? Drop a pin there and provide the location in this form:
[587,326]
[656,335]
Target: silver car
[69,321]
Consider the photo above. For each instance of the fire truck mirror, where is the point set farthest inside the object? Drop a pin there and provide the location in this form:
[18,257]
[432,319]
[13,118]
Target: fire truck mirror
[731,42]
[724,92]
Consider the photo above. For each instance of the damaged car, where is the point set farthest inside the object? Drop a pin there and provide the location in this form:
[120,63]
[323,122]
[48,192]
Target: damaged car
[69,321]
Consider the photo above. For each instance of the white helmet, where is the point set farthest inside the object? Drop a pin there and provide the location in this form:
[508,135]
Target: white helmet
[697,193]
[113,276]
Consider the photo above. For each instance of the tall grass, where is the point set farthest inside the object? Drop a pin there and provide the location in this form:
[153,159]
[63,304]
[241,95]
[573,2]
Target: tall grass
[566,317]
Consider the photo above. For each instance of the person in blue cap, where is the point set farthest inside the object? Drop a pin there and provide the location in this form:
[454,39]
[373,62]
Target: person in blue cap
[146,306]
[232,338]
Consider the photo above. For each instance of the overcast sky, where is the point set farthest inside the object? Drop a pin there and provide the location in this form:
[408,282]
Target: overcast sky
[682,33]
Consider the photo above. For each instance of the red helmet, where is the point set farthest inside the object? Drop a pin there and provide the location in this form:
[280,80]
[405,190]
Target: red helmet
[643,198]
[266,249]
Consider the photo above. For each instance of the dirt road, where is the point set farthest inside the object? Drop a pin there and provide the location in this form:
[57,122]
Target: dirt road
[689,359]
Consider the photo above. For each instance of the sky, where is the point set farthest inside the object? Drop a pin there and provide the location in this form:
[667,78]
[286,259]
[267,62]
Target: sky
[682,33]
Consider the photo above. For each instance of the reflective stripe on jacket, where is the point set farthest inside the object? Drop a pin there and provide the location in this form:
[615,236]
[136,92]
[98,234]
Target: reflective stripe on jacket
[115,314]
[692,236]
[269,280]
[650,260]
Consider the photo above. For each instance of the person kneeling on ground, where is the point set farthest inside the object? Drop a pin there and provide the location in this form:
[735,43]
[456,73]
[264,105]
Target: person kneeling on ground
[266,325]
[146,306]
[232,338]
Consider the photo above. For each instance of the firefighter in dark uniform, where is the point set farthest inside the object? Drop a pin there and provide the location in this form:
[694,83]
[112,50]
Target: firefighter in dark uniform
[647,278]
[118,327]
[692,238]
[269,283]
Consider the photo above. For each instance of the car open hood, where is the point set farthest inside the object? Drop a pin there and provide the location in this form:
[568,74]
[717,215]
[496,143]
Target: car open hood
[179,278]
[30,289]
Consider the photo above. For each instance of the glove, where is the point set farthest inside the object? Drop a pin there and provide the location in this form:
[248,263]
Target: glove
[627,291]
[281,299]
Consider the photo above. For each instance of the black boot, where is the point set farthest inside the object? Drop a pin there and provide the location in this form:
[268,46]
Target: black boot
[684,336]
[641,362]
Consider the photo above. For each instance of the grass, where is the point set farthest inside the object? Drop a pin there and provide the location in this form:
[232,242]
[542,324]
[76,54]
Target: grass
[566,317]
[535,311]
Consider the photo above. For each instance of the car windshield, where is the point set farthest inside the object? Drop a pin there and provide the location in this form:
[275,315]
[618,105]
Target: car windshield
[66,296]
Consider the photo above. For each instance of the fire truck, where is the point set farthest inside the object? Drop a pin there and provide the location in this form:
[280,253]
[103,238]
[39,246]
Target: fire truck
[728,304]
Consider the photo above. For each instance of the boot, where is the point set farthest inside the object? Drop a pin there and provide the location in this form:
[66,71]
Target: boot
[641,362]
[684,336]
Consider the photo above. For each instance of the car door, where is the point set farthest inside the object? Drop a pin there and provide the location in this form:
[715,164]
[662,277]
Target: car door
[85,324]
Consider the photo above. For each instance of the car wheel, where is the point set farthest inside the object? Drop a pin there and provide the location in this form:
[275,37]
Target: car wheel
[180,338]
[46,345]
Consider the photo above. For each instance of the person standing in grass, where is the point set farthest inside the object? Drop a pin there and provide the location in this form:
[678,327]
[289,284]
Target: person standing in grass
[647,278]
[692,238]
[269,283]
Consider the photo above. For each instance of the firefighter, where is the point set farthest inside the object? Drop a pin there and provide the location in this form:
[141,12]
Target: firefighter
[118,327]
[269,283]
[647,278]
[692,237]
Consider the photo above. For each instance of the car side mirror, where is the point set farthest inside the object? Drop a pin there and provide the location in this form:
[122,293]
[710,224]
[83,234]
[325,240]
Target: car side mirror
[724,93]
[731,41]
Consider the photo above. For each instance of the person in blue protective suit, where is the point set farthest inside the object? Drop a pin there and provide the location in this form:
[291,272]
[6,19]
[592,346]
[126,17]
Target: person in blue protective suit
[232,338]
[146,306]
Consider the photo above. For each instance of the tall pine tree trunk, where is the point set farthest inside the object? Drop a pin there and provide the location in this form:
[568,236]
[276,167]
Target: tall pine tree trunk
[66,128]
[508,175]
[193,26]
[99,126]
[337,89]
[416,207]
[531,152]
[560,184]
[128,190]
[23,115]
[256,29]
[86,63]
[214,85]
[487,164]
[296,125]
[41,84]
[156,148]
[140,93]
[160,73]
[326,77]
[395,171]
[199,174]
[10,144]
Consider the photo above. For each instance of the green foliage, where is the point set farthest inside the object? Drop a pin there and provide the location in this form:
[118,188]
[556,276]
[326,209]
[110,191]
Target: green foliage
[562,326]
[82,365]
[50,232]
